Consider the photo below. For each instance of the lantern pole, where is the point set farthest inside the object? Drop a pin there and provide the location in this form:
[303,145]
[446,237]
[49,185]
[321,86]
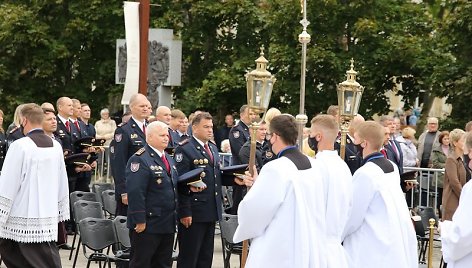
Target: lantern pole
[259,89]
[304,38]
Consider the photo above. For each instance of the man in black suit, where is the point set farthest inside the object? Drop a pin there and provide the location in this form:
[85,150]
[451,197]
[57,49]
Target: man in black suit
[198,212]
[151,183]
[129,138]
[238,135]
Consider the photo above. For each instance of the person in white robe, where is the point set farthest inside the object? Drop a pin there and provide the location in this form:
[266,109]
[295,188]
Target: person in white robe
[33,196]
[379,232]
[283,213]
[456,235]
[338,180]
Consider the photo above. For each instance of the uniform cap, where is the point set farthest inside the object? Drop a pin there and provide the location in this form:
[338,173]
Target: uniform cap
[234,170]
[89,142]
[78,159]
[193,178]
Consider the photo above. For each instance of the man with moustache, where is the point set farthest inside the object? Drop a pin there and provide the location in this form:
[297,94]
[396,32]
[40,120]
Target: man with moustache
[128,139]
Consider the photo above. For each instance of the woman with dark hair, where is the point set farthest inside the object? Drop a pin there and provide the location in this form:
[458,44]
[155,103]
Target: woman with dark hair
[3,141]
[438,160]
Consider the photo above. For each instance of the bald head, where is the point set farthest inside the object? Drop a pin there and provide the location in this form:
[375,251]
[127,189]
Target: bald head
[163,114]
[65,107]
[140,107]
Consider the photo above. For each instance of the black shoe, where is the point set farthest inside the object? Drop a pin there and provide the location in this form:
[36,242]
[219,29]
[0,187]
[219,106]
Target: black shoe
[66,247]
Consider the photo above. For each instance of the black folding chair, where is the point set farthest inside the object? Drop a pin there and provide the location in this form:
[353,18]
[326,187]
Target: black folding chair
[426,213]
[228,225]
[109,202]
[98,235]
[84,209]
[99,188]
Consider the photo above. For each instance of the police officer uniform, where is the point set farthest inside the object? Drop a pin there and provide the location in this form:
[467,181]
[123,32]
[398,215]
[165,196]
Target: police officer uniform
[152,199]
[205,208]
[238,135]
[352,157]
[128,139]
[3,148]
[14,134]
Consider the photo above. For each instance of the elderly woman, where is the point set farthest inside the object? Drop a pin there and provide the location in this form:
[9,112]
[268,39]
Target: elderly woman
[438,160]
[407,145]
[455,174]
[105,127]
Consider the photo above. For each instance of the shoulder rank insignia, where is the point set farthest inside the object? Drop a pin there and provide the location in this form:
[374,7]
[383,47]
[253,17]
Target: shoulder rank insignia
[184,141]
[140,151]
[14,129]
[122,124]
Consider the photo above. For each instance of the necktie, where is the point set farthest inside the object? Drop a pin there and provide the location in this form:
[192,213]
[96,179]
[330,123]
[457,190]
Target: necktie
[68,125]
[207,149]
[144,129]
[166,163]
[384,152]
[76,123]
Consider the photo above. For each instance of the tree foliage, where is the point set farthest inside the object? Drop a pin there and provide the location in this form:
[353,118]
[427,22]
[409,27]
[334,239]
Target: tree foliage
[54,48]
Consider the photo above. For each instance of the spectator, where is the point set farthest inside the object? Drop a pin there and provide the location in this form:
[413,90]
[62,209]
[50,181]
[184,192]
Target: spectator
[427,141]
[455,174]
[407,144]
[438,160]
[223,132]
[105,127]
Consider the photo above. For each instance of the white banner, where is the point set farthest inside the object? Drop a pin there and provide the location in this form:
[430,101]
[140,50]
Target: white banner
[131,11]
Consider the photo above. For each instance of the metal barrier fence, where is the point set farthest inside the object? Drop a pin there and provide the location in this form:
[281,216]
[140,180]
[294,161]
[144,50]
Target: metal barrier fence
[426,193]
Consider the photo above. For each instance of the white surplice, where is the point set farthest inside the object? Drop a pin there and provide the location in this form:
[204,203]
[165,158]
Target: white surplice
[456,235]
[283,214]
[379,232]
[34,192]
[338,180]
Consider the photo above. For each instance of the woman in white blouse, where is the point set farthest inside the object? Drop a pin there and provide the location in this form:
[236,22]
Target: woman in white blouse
[105,127]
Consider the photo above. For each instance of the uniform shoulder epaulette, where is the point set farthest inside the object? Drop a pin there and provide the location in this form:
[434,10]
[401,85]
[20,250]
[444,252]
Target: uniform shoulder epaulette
[140,151]
[122,124]
[14,129]
[184,142]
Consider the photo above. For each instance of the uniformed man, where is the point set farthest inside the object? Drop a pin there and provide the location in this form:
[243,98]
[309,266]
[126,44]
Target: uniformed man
[198,212]
[164,114]
[129,138]
[238,135]
[151,183]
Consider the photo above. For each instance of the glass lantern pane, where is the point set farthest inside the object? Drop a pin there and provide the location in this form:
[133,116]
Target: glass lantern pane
[257,95]
[348,102]
[268,93]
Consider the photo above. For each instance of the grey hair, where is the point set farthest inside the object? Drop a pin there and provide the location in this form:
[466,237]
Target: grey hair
[152,127]
[104,110]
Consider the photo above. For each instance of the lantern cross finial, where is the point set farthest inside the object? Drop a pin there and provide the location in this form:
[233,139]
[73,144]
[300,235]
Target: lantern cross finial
[352,64]
[262,50]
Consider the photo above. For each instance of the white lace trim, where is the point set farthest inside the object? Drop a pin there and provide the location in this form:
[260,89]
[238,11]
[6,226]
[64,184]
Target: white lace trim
[63,206]
[5,207]
[27,230]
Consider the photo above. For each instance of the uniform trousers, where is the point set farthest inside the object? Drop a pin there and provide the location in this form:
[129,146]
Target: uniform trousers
[196,245]
[151,250]
[29,255]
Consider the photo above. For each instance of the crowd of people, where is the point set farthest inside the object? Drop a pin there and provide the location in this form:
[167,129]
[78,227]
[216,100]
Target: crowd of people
[299,209]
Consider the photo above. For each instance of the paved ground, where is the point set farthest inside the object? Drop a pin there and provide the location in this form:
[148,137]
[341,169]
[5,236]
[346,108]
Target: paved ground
[82,261]
[217,258]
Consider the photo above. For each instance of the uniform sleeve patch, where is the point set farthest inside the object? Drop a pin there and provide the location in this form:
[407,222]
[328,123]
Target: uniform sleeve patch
[179,158]
[134,167]
[236,134]
[118,137]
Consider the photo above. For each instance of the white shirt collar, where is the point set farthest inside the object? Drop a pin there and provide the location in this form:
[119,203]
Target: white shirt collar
[140,124]
[200,142]
[64,120]
[157,151]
